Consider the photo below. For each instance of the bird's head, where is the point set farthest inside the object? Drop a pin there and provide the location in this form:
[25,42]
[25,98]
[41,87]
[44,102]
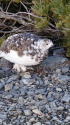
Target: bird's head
[45,44]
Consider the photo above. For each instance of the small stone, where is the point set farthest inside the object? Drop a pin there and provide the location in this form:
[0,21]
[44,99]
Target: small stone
[65,69]
[66,98]
[41,91]
[20,100]
[27,112]
[68,118]
[3,116]
[27,123]
[38,123]
[58,71]
[48,108]
[40,96]
[27,75]
[63,78]
[1,120]
[53,106]
[8,87]
[12,78]
[7,96]
[56,119]
[58,89]
[37,111]
[1,85]
[28,81]
[60,108]
[32,120]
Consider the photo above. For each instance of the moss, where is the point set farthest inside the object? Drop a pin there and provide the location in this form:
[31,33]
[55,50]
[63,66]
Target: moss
[2,39]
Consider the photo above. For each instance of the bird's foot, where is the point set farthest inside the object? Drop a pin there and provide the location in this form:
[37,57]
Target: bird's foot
[23,68]
[19,68]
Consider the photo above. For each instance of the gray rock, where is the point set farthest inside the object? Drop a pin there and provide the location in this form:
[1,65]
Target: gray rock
[41,91]
[12,78]
[28,81]
[53,106]
[3,116]
[54,60]
[26,75]
[65,69]
[64,78]
[8,87]
[58,51]
[58,89]
[27,112]
[66,97]
[38,123]
[7,96]
[56,119]
[1,85]
[20,100]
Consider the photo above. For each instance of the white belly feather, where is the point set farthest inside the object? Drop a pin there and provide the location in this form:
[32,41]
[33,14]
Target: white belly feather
[13,57]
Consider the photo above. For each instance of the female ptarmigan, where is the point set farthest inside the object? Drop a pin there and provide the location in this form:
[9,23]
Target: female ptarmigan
[24,49]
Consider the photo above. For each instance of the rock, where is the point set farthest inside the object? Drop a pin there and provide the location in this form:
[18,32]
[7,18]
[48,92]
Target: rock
[58,71]
[27,98]
[8,96]
[32,120]
[66,97]
[68,118]
[5,64]
[59,51]
[3,116]
[8,87]
[41,91]
[12,78]
[28,81]
[38,123]
[27,75]
[63,78]
[1,85]
[54,60]
[58,89]
[27,123]
[56,119]
[37,111]
[27,112]
[1,120]
[20,100]
[65,69]
[52,106]
[60,108]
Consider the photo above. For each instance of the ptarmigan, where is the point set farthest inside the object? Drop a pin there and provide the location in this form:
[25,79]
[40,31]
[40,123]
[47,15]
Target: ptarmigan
[25,49]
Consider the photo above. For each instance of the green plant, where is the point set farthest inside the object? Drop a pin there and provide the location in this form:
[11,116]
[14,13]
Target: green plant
[57,11]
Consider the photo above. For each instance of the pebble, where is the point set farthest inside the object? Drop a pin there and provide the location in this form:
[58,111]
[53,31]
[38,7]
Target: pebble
[27,112]
[65,69]
[32,120]
[58,89]
[28,81]
[27,98]
[20,100]
[37,111]
[27,75]
[8,87]
[38,123]
[66,97]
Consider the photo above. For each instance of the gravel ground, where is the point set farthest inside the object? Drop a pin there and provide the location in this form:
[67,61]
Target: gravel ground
[36,97]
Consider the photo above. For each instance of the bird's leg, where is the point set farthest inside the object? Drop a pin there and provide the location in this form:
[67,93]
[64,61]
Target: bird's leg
[23,68]
[16,67]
